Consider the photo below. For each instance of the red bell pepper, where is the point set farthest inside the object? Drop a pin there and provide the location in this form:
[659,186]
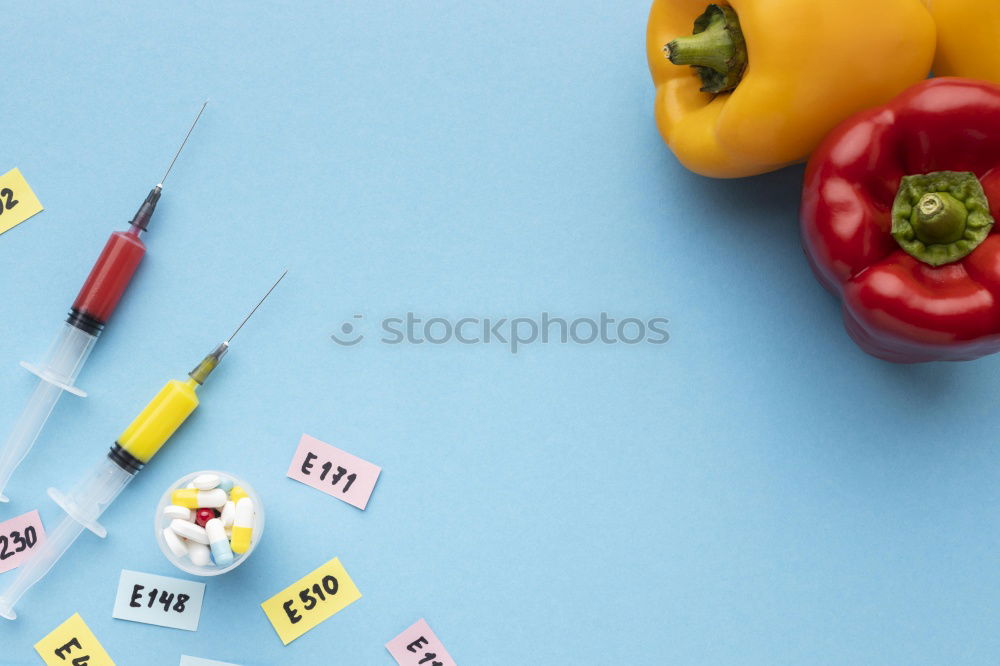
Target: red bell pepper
[897,220]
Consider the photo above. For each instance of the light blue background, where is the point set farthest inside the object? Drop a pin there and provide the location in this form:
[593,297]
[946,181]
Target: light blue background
[756,491]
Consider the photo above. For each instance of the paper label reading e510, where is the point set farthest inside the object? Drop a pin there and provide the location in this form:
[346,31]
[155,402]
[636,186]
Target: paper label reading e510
[310,600]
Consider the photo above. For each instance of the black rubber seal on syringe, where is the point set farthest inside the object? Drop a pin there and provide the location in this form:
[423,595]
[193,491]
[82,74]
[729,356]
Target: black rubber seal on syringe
[85,322]
[124,459]
[142,216]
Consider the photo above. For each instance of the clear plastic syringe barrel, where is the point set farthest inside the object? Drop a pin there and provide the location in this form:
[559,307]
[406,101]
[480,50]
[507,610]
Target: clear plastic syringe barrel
[84,505]
[62,365]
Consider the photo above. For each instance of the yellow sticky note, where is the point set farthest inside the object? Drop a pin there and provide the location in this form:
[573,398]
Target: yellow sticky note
[310,600]
[72,642]
[17,201]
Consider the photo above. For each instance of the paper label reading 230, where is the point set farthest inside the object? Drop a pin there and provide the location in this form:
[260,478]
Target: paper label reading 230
[15,542]
[19,539]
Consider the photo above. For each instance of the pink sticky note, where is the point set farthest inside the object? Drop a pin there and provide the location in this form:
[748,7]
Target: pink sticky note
[20,538]
[335,472]
[419,646]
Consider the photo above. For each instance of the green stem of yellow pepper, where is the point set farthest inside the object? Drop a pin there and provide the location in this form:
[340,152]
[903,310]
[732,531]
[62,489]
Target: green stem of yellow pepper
[716,50]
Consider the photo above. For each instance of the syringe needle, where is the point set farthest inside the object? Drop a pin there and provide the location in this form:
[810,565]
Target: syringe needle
[259,303]
[183,143]
[210,362]
[142,216]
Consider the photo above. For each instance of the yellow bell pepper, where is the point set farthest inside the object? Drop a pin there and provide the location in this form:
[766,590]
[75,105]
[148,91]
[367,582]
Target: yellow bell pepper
[967,32]
[763,81]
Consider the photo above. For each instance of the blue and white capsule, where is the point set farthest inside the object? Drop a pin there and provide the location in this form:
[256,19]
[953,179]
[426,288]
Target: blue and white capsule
[222,553]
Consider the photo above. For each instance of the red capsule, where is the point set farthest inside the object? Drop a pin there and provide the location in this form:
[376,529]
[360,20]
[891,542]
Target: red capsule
[202,516]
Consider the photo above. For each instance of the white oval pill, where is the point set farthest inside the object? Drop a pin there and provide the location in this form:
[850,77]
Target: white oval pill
[228,514]
[199,553]
[206,481]
[174,543]
[189,530]
[173,511]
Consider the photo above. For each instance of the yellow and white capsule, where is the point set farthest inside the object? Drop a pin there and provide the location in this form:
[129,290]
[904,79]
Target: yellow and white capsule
[237,493]
[242,526]
[192,498]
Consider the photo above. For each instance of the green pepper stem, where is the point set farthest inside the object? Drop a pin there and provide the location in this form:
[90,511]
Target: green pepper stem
[717,49]
[712,48]
[939,218]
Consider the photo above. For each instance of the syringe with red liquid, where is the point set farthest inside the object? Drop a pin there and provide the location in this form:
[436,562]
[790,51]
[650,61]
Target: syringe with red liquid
[90,312]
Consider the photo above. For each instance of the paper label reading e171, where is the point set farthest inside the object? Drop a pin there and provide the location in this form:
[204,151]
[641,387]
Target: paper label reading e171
[333,471]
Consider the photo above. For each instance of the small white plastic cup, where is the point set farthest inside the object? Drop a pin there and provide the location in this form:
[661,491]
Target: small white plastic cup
[183,563]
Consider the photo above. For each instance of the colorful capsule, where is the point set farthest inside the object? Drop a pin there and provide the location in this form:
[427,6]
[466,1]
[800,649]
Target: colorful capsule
[237,493]
[242,526]
[222,553]
[202,516]
[193,498]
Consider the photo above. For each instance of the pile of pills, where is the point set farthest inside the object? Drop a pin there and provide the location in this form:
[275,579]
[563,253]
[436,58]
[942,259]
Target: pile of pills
[210,521]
